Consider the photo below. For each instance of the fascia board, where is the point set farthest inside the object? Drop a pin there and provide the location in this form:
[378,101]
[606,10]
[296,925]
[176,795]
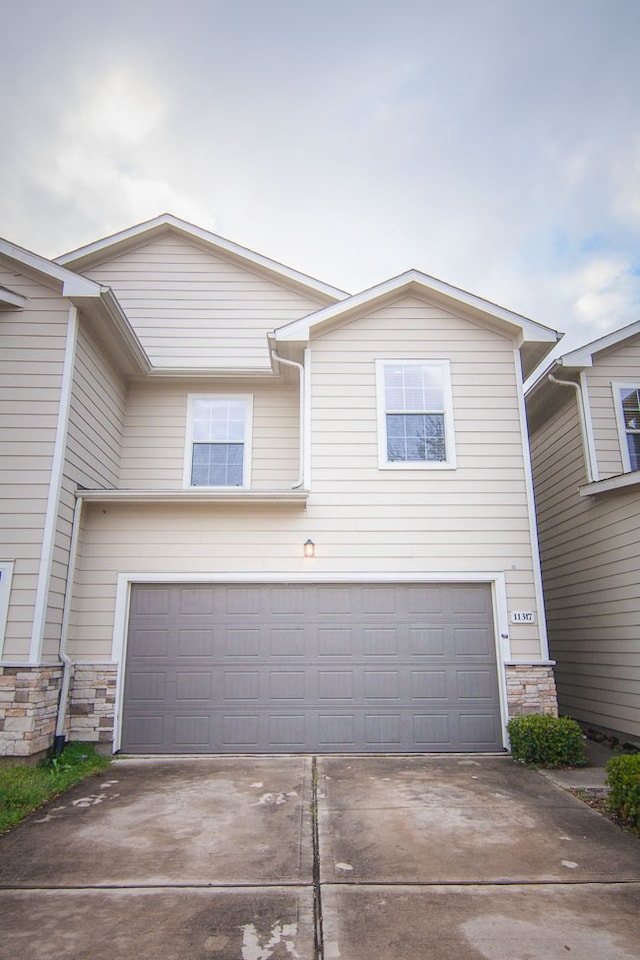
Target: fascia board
[583,356]
[11,299]
[415,281]
[71,284]
[98,250]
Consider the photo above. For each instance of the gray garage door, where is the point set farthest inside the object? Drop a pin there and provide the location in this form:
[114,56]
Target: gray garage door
[263,668]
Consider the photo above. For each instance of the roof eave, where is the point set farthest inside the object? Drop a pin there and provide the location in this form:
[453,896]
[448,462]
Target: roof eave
[534,339]
[98,251]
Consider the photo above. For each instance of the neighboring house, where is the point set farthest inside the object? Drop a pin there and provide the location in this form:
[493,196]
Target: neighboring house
[244,511]
[584,423]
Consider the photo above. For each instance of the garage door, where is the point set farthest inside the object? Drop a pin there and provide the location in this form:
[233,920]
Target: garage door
[357,667]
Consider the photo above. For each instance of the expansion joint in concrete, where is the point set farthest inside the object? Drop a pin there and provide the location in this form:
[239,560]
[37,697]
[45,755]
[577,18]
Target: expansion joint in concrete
[318,936]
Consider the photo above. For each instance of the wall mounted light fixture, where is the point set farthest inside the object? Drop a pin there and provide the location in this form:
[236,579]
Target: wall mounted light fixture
[309,548]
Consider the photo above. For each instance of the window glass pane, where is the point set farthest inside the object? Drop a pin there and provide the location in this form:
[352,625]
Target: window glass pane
[633,440]
[217,465]
[218,420]
[631,408]
[413,387]
[416,437]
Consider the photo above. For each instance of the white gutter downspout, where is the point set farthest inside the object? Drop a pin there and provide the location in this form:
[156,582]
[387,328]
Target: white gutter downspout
[300,368]
[590,462]
[67,662]
[53,500]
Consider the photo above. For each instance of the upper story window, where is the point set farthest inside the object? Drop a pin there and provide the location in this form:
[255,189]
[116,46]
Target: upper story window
[218,447]
[415,414]
[627,399]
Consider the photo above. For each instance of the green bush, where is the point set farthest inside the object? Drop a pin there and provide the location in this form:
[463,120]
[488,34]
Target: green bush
[623,780]
[546,741]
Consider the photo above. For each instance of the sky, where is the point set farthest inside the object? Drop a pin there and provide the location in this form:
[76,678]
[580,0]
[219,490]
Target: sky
[494,144]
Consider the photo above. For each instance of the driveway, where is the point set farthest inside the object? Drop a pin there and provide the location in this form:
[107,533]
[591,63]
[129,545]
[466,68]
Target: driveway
[361,858]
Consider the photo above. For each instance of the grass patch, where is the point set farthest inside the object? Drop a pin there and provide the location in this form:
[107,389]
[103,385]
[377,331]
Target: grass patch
[24,788]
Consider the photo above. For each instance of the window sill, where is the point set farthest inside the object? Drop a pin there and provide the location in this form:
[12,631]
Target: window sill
[234,495]
[417,465]
[623,481]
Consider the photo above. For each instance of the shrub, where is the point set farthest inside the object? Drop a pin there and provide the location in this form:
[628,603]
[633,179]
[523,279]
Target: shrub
[623,780]
[546,741]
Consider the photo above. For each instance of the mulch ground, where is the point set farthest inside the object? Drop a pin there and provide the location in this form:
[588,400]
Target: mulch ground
[598,802]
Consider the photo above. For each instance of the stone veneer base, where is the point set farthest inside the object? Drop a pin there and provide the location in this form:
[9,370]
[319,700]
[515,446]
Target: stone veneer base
[531,688]
[28,709]
[91,709]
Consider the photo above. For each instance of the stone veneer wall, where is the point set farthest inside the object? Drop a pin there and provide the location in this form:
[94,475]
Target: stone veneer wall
[28,709]
[90,716]
[531,688]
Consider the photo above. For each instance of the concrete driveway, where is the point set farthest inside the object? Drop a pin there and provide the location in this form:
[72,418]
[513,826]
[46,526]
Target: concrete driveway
[361,858]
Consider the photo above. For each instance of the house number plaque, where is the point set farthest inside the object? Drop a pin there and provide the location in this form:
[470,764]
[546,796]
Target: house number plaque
[523,616]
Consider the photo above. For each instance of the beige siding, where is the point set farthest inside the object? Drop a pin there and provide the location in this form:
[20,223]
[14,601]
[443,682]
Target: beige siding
[154,440]
[590,549]
[193,309]
[97,417]
[32,346]
[92,459]
[620,363]
[472,520]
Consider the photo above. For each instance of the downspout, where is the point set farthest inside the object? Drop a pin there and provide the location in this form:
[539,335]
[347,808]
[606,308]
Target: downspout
[67,663]
[589,459]
[300,368]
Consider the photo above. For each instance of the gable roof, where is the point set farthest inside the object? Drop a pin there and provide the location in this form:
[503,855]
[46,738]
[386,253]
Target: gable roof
[534,339]
[583,356]
[117,243]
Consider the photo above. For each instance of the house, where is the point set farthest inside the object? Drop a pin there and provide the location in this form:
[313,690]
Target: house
[244,511]
[584,422]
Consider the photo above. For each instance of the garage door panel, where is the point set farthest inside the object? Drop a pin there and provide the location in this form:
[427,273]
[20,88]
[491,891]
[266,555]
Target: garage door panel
[311,667]
[286,642]
[243,642]
[194,686]
[473,642]
[196,643]
[429,685]
[149,643]
[194,602]
[426,642]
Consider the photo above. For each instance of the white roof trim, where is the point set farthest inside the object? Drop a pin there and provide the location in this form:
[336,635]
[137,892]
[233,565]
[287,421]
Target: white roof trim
[94,250]
[234,496]
[583,356]
[9,298]
[422,282]
[72,284]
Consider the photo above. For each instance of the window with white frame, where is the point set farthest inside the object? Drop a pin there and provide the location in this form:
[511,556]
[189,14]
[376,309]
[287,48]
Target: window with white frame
[218,441]
[6,573]
[627,401]
[415,414]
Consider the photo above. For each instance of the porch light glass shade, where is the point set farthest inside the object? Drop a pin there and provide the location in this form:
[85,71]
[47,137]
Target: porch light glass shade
[309,548]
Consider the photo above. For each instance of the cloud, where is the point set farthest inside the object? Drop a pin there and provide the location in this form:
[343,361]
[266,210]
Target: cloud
[494,145]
